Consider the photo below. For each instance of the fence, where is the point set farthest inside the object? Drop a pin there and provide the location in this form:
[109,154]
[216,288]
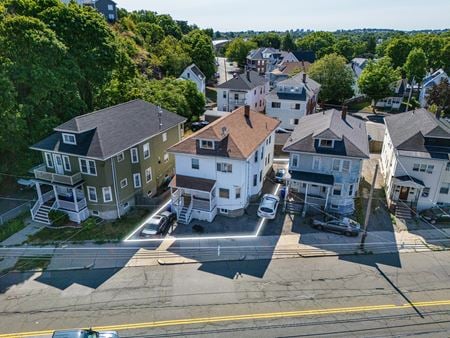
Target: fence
[13,213]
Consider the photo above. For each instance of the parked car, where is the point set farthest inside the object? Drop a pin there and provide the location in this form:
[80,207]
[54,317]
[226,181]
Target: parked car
[84,334]
[436,215]
[199,125]
[268,206]
[280,175]
[158,224]
[345,226]
[171,216]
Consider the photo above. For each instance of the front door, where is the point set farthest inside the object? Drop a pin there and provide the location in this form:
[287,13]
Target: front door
[404,192]
[59,168]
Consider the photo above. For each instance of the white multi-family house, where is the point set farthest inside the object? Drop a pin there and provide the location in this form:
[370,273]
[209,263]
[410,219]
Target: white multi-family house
[415,160]
[194,74]
[326,151]
[399,93]
[428,83]
[222,166]
[292,99]
[248,88]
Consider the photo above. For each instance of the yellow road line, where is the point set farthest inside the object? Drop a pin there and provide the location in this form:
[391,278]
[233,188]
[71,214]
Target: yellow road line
[255,316]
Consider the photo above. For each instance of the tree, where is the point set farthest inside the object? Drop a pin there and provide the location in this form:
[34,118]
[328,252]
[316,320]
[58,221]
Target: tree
[200,49]
[445,57]
[172,56]
[415,65]
[376,79]
[335,78]
[439,95]
[288,43]
[238,49]
[268,39]
[151,32]
[169,26]
[345,47]
[321,43]
[397,50]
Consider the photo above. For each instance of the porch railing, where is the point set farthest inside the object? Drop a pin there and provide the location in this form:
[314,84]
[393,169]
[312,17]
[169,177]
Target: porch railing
[204,205]
[40,172]
[67,205]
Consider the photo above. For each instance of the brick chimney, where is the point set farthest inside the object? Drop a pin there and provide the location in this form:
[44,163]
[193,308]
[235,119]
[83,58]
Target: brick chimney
[344,112]
[247,111]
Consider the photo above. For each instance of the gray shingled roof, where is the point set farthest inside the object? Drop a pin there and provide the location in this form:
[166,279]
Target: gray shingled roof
[308,88]
[244,82]
[107,132]
[257,54]
[350,135]
[197,71]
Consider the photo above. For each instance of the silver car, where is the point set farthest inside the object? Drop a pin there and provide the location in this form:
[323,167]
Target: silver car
[268,206]
[345,226]
[84,334]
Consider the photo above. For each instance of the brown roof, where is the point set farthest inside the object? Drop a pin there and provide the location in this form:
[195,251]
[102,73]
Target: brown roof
[194,183]
[289,68]
[237,135]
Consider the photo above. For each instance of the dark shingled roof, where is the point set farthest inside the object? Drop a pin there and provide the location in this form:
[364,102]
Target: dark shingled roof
[107,132]
[350,135]
[312,177]
[197,71]
[244,82]
[419,132]
[194,183]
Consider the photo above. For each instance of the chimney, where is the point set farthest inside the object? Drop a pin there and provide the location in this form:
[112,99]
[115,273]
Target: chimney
[247,111]
[344,112]
[304,77]
[248,75]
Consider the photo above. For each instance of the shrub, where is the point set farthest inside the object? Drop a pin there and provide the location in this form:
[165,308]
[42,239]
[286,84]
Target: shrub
[58,218]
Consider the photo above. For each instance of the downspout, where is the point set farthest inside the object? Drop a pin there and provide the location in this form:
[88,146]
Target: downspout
[113,169]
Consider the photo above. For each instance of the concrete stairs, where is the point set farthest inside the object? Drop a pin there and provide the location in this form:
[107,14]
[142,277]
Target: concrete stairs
[402,211]
[42,214]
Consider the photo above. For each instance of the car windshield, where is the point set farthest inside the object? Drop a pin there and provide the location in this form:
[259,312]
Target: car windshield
[266,209]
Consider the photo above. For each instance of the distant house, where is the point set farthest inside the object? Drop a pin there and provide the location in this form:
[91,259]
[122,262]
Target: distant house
[249,88]
[358,65]
[326,151]
[220,168]
[275,59]
[305,55]
[106,7]
[99,163]
[194,74]
[400,92]
[292,99]
[285,70]
[429,81]
[257,59]
[415,161]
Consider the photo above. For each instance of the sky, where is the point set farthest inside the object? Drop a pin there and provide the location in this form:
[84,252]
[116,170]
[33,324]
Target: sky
[330,15]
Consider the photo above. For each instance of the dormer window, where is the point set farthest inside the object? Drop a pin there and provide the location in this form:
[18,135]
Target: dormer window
[205,144]
[69,139]
[326,143]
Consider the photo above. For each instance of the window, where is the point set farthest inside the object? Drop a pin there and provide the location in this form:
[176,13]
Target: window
[124,183]
[316,163]
[195,163]
[236,96]
[337,189]
[137,180]
[425,192]
[88,167]
[260,176]
[107,195]
[423,168]
[110,7]
[164,137]
[295,158]
[146,149]
[447,168]
[120,157]
[345,166]
[256,156]
[294,121]
[254,92]
[148,175]
[66,163]
[237,191]
[223,211]
[430,169]
[445,188]
[336,164]
[189,75]
[325,143]
[134,155]
[416,167]
[224,95]
[296,106]
[49,160]
[276,104]
[225,167]
[262,152]
[351,190]
[95,213]
[69,139]
[111,16]
[334,206]
[224,193]
[341,165]
[92,194]
[205,144]
[166,157]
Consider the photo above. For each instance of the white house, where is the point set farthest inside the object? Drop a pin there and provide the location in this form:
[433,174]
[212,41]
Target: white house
[222,166]
[415,160]
[358,65]
[400,92]
[326,151]
[292,99]
[248,88]
[194,74]
[429,81]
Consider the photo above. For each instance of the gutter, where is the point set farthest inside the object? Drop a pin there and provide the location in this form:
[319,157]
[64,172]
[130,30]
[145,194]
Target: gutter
[113,169]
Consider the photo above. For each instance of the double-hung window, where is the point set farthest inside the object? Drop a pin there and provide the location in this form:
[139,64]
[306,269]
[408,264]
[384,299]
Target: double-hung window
[445,188]
[137,180]
[195,163]
[316,163]
[69,139]
[224,167]
[148,175]
[92,194]
[66,163]
[88,167]
[134,155]
[224,193]
[124,183]
[107,194]
[295,158]
[337,190]
[146,150]
[49,160]
[120,157]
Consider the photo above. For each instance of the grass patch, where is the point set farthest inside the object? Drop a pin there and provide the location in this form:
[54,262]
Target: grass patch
[211,94]
[91,231]
[29,263]
[359,210]
[357,106]
[11,227]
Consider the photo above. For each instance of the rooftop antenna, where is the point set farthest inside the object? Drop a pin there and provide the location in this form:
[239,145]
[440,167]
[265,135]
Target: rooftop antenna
[159,117]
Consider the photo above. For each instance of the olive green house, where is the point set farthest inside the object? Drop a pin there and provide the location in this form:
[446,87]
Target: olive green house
[99,163]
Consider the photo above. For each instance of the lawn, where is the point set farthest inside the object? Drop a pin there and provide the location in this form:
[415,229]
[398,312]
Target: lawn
[31,263]
[358,106]
[11,227]
[90,230]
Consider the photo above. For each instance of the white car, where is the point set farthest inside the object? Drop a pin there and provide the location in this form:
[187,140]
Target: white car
[268,206]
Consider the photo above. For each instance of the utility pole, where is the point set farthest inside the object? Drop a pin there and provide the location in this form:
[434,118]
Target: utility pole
[369,208]
[410,94]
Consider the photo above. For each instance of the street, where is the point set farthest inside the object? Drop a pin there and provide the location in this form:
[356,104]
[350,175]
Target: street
[371,295]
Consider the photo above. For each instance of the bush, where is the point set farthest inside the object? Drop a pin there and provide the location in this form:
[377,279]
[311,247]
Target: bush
[58,218]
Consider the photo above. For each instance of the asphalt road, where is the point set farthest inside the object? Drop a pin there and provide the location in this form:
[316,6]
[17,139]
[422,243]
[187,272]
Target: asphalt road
[348,296]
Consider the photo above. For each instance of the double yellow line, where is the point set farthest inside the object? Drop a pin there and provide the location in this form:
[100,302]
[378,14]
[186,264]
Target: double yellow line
[255,316]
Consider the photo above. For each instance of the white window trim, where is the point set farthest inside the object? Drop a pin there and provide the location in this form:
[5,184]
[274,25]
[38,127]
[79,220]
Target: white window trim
[66,141]
[87,166]
[124,183]
[104,191]
[144,147]
[49,160]
[120,157]
[166,157]
[66,160]
[89,195]
[164,137]
[134,180]
[134,155]
[324,139]
[203,142]
[149,169]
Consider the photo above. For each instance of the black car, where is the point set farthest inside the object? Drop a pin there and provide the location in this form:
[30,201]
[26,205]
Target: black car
[436,215]
[198,125]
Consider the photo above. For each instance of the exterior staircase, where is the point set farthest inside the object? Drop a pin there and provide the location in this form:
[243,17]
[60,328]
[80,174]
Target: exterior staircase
[293,208]
[402,211]
[41,215]
[186,212]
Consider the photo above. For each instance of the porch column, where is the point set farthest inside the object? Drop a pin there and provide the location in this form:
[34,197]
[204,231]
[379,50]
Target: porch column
[56,194]
[306,199]
[39,192]
[210,201]
[326,200]
[74,193]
